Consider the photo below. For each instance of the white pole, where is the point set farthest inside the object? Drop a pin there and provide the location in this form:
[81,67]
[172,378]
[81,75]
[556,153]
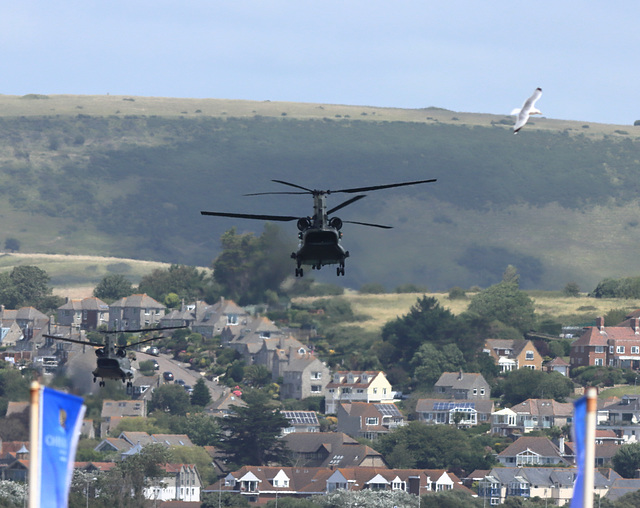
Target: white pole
[590,446]
[34,452]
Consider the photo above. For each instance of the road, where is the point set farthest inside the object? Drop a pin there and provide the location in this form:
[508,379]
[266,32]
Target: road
[179,371]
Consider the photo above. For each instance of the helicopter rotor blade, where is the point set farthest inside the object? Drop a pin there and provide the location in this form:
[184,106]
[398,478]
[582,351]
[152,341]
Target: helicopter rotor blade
[387,186]
[280,218]
[293,185]
[75,341]
[147,329]
[348,202]
[367,224]
[141,342]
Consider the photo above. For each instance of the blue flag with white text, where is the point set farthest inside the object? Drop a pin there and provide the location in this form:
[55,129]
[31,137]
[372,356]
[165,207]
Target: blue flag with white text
[61,417]
[580,444]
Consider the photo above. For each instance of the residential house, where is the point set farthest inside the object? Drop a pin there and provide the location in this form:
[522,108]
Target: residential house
[301,421]
[260,484]
[532,451]
[129,443]
[275,350]
[513,354]
[224,405]
[367,420]
[613,346]
[181,482]
[135,312]
[463,385]
[86,314]
[532,414]
[224,318]
[356,386]
[251,337]
[31,322]
[552,484]
[114,410]
[463,413]
[303,375]
[558,365]
[330,449]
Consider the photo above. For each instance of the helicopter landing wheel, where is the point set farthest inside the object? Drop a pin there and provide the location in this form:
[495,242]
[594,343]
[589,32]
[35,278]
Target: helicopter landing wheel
[299,272]
[340,271]
[101,384]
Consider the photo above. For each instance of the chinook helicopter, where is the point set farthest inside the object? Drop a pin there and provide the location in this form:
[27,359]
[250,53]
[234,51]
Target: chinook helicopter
[112,361]
[319,236]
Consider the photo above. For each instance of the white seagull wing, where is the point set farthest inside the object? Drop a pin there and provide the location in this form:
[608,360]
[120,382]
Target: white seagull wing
[523,116]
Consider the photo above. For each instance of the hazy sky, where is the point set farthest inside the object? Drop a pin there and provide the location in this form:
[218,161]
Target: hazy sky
[463,55]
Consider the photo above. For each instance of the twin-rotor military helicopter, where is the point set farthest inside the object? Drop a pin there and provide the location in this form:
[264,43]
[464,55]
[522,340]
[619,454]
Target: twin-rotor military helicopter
[319,236]
[112,361]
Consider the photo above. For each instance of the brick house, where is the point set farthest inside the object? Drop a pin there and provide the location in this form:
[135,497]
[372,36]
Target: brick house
[513,354]
[86,314]
[613,346]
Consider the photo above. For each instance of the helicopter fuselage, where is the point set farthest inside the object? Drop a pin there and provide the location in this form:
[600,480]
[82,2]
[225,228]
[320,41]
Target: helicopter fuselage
[113,368]
[319,247]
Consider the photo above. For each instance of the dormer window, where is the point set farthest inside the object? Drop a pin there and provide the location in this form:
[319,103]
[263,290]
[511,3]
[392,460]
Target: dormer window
[232,319]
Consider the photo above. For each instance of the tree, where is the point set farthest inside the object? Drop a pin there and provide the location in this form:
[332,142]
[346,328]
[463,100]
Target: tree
[251,435]
[506,303]
[626,460]
[202,429]
[226,499]
[429,362]
[434,447]
[124,484]
[183,281]
[172,398]
[201,395]
[112,287]
[571,289]
[257,375]
[426,322]
[24,286]
[249,266]
[12,244]
[523,384]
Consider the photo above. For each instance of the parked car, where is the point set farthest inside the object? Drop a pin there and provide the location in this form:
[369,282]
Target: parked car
[168,376]
[156,365]
[153,351]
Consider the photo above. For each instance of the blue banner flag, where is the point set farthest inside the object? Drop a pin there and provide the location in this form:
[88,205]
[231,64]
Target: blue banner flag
[61,417]
[580,445]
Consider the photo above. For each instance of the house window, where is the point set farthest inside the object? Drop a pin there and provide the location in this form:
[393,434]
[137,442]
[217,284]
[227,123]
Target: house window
[620,349]
[529,356]
[610,349]
[598,362]
[316,388]
[316,375]
[475,391]
[372,420]
[232,319]
[375,390]
[599,349]
[481,391]
[635,350]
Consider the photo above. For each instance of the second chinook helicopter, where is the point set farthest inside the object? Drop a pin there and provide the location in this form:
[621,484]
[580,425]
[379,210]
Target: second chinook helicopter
[112,361]
[319,235]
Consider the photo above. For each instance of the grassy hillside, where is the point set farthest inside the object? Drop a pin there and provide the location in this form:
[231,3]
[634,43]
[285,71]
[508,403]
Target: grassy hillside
[127,177]
[382,308]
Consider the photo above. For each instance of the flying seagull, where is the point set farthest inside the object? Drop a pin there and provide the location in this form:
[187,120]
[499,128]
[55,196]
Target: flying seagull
[527,109]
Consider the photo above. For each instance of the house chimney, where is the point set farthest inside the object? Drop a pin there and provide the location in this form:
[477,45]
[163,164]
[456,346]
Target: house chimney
[561,444]
[635,325]
[600,323]
[460,375]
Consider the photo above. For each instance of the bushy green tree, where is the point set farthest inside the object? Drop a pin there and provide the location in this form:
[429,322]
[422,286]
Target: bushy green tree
[26,286]
[186,282]
[172,398]
[626,460]
[505,302]
[523,384]
[426,322]
[248,265]
[201,395]
[112,287]
[251,435]
[434,447]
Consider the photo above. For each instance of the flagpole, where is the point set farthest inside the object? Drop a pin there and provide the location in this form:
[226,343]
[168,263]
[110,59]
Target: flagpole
[590,446]
[34,451]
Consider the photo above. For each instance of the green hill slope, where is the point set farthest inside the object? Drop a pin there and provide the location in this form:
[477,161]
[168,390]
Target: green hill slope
[127,177]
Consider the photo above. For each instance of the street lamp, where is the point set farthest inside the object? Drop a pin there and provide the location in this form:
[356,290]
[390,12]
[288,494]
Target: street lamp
[87,489]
